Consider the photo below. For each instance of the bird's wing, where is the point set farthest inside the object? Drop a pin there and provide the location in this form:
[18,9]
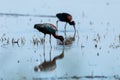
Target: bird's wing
[50,28]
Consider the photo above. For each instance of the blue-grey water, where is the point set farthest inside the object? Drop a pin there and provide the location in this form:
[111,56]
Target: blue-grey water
[94,55]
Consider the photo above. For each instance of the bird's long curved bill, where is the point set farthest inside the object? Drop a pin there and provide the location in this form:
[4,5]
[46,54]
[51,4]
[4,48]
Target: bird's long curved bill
[74,28]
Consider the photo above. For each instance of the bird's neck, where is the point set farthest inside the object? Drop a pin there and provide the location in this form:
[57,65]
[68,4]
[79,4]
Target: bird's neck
[58,37]
[70,22]
[55,35]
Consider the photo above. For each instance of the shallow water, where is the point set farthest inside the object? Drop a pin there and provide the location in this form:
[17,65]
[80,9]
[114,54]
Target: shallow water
[94,55]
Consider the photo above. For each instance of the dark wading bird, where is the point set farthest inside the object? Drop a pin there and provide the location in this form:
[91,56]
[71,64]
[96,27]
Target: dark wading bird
[50,29]
[65,17]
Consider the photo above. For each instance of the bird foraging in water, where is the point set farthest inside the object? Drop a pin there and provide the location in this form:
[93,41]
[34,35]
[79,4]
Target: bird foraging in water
[68,41]
[65,17]
[50,29]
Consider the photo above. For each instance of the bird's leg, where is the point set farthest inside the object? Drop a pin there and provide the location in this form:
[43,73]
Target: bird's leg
[50,47]
[50,42]
[65,27]
[65,30]
[57,23]
[44,48]
[50,53]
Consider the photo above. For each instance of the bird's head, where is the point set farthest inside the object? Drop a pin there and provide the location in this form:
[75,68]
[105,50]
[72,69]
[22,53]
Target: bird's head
[35,26]
[61,38]
[72,23]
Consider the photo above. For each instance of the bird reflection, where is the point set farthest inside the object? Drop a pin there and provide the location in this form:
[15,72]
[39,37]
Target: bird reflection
[48,65]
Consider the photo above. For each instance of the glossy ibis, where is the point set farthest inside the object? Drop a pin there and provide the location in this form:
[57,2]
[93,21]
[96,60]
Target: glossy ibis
[50,29]
[65,17]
